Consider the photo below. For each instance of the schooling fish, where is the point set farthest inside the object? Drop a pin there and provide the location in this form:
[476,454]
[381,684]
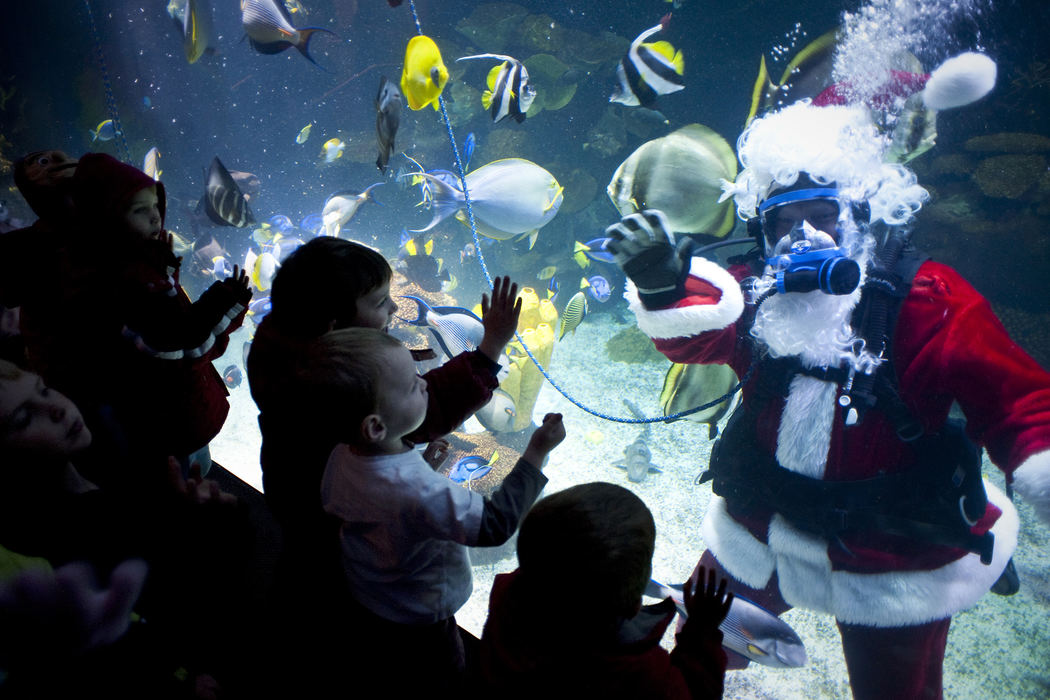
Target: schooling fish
[270,30]
[223,201]
[749,629]
[455,329]
[388,118]
[648,70]
[341,207]
[151,163]
[105,131]
[424,74]
[509,93]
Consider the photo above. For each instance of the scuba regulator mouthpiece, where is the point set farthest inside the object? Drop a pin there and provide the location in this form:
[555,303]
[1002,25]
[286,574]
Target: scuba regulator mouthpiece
[807,260]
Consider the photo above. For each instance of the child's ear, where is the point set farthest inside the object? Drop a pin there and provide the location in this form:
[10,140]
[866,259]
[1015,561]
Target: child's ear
[373,429]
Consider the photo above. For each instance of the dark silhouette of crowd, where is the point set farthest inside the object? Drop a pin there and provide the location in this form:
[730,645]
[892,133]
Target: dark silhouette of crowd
[131,565]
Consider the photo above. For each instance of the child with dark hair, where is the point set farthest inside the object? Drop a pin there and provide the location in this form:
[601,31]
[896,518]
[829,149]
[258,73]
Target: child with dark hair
[127,344]
[598,538]
[331,283]
[405,528]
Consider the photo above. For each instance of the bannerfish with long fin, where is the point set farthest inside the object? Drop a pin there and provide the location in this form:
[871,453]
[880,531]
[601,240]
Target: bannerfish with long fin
[341,207]
[648,70]
[388,119]
[424,74]
[270,30]
[223,201]
[749,630]
[508,93]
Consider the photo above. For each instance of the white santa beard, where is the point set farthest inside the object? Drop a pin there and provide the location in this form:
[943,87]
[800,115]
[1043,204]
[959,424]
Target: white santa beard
[804,434]
[813,326]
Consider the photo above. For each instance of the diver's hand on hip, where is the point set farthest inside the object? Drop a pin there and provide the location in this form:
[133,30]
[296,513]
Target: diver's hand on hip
[644,247]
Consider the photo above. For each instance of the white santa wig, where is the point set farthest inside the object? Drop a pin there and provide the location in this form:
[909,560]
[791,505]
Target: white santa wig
[836,143]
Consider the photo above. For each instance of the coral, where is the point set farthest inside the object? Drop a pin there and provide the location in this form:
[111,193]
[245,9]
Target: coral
[1008,142]
[608,136]
[1009,176]
[580,190]
[632,346]
[491,26]
[952,164]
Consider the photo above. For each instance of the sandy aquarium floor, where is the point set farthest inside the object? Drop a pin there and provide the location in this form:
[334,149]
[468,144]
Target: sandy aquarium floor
[999,648]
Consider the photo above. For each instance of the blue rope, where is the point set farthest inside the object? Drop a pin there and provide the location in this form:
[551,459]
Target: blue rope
[488,280]
[111,103]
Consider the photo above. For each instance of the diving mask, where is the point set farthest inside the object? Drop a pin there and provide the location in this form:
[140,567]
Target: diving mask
[807,259]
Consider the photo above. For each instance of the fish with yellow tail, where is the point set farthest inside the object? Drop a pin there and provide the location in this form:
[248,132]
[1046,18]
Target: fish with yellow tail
[648,70]
[424,74]
[332,150]
[573,315]
[509,93]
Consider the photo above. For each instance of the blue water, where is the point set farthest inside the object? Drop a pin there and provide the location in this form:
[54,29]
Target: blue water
[248,108]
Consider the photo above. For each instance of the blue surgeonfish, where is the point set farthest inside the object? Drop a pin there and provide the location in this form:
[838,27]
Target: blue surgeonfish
[270,30]
[341,207]
[648,70]
[471,468]
[508,92]
[509,197]
[468,150]
[598,287]
[749,629]
[455,329]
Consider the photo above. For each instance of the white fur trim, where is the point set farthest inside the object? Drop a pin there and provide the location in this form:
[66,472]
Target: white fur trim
[691,320]
[804,434]
[1032,481]
[894,598]
[734,547]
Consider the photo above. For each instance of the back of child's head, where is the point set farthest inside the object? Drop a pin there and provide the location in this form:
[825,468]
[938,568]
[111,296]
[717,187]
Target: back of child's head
[321,282]
[338,380]
[597,538]
[103,188]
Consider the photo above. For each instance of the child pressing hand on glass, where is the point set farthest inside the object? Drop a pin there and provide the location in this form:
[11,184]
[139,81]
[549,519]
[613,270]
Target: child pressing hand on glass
[405,529]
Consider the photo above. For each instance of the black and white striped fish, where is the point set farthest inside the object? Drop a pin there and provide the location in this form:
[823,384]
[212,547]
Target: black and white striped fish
[648,70]
[223,201]
[509,92]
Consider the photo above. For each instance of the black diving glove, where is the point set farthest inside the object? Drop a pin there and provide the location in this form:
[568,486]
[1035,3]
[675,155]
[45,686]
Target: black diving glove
[643,246]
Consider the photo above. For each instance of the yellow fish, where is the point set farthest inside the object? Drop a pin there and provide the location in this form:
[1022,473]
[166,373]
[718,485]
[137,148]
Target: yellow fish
[579,254]
[304,134]
[547,272]
[424,75]
[332,149]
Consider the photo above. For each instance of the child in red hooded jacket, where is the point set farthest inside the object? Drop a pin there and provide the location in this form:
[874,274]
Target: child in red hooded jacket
[131,348]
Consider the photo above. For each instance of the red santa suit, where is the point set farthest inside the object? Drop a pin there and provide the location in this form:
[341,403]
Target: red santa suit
[948,347]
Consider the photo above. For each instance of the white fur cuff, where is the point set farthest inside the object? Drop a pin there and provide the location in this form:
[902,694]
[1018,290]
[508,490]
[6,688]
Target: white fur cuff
[1032,481]
[691,320]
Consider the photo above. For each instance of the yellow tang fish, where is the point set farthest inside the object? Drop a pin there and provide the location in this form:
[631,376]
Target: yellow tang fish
[424,75]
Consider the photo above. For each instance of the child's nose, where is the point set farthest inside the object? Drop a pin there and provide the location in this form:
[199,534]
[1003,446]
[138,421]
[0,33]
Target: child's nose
[57,411]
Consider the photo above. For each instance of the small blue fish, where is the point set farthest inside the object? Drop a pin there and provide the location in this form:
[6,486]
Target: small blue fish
[599,288]
[105,131]
[468,150]
[469,468]
[232,376]
[597,250]
[312,223]
[456,329]
[552,289]
[281,222]
[259,307]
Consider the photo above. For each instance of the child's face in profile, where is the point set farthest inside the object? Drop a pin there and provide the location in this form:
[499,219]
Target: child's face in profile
[35,420]
[142,216]
[375,309]
[402,395]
